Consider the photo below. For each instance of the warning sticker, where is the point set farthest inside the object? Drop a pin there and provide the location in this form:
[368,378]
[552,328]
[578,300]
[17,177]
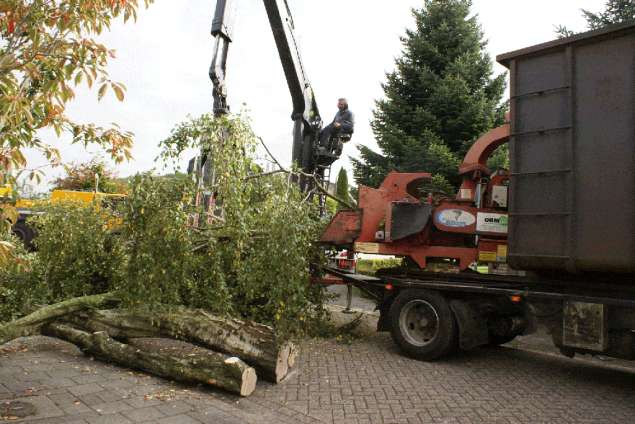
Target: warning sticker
[491,222]
[501,253]
[484,256]
[367,247]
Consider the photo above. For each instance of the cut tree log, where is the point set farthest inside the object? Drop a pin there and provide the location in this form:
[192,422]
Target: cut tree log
[254,343]
[30,325]
[210,368]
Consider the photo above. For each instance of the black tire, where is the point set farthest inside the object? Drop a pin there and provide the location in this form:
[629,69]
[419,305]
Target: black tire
[25,233]
[496,340]
[436,337]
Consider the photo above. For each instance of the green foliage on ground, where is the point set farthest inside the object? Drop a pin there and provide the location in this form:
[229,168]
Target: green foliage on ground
[253,259]
[248,257]
[78,253]
[20,289]
[439,100]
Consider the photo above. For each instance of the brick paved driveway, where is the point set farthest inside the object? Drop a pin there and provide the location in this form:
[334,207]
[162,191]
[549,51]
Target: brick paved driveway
[364,382]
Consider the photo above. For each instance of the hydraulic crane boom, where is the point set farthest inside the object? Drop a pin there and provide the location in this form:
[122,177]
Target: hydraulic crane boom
[305,115]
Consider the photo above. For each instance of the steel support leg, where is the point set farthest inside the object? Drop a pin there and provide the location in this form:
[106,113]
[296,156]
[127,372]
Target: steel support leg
[349,299]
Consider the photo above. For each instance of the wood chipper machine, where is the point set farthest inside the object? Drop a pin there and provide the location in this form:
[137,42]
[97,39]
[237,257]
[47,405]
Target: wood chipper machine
[399,218]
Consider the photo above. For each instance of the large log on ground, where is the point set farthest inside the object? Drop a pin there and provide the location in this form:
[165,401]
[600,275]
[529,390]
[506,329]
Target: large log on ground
[254,343]
[211,368]
[31,324]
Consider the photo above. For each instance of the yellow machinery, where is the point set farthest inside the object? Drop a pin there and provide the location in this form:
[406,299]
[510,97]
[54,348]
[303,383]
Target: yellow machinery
[28,207]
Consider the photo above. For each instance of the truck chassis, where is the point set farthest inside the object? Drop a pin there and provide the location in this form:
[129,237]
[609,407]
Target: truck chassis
[430,315]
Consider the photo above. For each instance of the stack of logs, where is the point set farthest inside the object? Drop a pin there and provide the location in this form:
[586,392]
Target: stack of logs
[230,353]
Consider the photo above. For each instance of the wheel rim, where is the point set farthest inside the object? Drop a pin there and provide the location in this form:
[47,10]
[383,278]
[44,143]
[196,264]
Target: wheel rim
[419,322]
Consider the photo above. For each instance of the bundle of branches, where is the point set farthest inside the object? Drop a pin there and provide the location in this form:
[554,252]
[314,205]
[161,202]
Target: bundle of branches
[249,257]
[228,353]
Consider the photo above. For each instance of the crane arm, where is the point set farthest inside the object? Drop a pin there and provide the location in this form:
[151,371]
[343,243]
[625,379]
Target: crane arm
[305,115]
[283,28]
[222,33]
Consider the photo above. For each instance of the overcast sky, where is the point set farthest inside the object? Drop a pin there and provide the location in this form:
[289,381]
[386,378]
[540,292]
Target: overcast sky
[347,47]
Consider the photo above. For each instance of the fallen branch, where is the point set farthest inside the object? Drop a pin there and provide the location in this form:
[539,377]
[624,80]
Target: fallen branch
[31,324]
[254,343]
[303,174]
[210,368]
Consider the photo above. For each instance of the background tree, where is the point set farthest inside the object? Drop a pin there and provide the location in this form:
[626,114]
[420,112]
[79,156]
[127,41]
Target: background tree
[440,98]
[615,11]
[46,48]
[84,176]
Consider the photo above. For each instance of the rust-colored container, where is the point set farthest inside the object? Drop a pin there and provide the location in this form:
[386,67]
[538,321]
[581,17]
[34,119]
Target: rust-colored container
[572,195]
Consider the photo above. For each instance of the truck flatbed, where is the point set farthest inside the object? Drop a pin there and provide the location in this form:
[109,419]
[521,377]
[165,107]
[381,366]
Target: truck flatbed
[528,288]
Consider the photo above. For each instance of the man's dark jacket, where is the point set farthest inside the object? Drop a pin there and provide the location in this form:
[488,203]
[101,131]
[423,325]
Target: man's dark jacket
[346,119]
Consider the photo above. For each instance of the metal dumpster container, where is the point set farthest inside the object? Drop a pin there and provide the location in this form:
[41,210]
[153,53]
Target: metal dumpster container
[572,151]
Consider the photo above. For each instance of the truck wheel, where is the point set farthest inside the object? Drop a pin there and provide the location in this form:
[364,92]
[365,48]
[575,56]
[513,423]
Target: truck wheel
[496,340]
[25,233]
[422,324]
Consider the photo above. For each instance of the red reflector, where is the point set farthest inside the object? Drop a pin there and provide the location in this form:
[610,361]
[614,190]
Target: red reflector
[388,286]
[516,299]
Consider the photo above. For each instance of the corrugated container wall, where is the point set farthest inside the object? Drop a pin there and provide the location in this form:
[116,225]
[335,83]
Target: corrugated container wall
[572,150]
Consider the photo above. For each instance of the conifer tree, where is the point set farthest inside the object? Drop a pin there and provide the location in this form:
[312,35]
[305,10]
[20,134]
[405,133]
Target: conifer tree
[341,187]
[440,98]
[615,12]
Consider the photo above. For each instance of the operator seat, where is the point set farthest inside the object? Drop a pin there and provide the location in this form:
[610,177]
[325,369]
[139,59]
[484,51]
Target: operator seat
[329,154]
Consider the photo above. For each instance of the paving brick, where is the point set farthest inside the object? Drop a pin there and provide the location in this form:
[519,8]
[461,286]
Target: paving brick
[149,413]
[174,408]
[109,419]
[365,382]
[179,419]
[112,407]
[84,389]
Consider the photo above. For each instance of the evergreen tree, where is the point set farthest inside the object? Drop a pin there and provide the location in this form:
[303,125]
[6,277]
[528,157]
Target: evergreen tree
[440,98]
[615,12]
[341,187]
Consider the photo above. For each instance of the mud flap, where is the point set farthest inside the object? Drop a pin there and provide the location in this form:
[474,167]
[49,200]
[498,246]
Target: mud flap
[472,326]
[585,326]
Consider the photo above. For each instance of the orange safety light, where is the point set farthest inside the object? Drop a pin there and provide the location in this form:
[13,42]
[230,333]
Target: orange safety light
[516,298]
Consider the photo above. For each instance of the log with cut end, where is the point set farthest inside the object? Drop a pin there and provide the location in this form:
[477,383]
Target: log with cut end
[210,368]
[31,324]
[254,343]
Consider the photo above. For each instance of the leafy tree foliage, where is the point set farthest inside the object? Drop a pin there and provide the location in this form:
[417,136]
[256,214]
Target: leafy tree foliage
[78,253]
[84,176]
[250,256]
[20,290]
[46,48]
[440,98]
[254,251]
[615,12]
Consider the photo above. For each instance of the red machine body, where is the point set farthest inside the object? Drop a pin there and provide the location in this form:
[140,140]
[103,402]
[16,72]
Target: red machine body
[400,219]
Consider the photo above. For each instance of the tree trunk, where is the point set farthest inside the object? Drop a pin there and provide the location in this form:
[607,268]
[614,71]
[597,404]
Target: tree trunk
[31,324]
[211,368]
[254,343]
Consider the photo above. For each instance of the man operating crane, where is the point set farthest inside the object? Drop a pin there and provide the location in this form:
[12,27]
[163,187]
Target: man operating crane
[338,132]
